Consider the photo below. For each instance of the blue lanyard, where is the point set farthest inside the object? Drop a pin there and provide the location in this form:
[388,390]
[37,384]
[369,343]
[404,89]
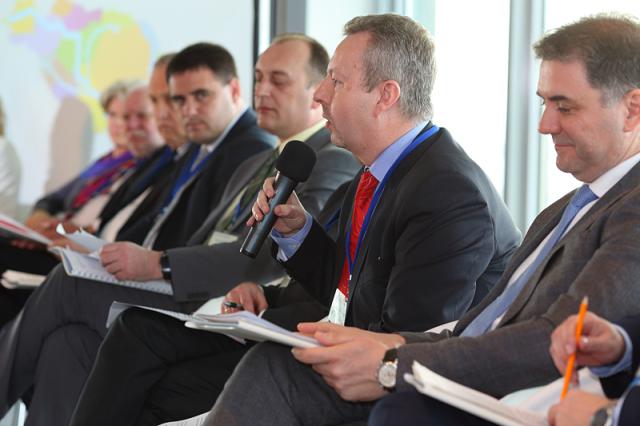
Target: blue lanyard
[187,172]
[378,193]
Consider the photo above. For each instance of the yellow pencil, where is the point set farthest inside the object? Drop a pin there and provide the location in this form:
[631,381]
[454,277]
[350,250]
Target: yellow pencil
[572,359]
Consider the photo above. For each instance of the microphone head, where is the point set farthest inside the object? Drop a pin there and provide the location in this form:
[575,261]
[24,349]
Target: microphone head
[296,161]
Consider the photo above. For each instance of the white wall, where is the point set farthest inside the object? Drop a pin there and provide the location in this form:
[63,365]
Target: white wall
[28,70]
[325,18]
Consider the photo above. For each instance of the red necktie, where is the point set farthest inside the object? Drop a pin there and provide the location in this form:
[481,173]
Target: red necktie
[364,194]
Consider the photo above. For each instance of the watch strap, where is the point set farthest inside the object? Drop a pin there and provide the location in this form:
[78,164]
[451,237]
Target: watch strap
[165,267]
[391,355]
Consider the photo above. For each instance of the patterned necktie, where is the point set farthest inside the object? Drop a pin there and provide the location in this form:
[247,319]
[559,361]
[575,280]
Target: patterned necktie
[499,306]
[364,193]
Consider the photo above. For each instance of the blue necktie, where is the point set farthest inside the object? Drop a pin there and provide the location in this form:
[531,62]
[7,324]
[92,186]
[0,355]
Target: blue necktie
[499,306]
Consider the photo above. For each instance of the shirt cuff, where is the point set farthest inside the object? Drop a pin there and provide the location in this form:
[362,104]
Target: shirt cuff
[616,412]
[625,362]
[288,246]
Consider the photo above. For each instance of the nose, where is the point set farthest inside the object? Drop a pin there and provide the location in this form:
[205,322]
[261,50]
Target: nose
[190,107]
[261,89]
[132,122]
[322,93]
[549,124]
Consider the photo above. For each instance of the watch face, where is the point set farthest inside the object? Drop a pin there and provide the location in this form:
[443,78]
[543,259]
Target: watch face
[387,375]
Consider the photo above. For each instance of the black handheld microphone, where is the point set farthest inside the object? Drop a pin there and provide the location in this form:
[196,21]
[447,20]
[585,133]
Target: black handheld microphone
[294,165]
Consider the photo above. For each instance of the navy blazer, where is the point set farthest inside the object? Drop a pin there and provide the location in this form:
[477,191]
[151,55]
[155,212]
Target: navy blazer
[202,195]
[615,386]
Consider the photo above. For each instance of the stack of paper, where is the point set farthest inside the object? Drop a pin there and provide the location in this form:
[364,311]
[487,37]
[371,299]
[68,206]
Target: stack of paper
[239,325]
[89,266]
[246,325]
[470,400]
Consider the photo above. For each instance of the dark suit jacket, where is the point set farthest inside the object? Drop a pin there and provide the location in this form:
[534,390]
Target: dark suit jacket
[439,238]
[615,386]
[145,175]
[139,222]
[203,192]
[60,200]
[290,304]
[200,271]
[599,257]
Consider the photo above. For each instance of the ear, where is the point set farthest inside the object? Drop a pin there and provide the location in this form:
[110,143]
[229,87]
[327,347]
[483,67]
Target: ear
[234,84]
[632,104]
[389,94]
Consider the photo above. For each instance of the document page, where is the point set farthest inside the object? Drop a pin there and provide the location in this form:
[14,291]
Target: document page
[480,404]
[87,266]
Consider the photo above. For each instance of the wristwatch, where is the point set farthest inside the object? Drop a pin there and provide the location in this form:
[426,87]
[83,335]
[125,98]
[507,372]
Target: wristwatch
[165,268]
[388,369]
[604,416]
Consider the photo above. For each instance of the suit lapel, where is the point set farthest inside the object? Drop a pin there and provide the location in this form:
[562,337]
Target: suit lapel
[388,196]
[315,141]
[619,190]
[239,182]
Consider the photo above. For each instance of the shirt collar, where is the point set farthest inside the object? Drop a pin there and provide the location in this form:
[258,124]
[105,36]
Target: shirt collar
[303,135]
[385,160]
[210,147]
[606,181]
[181,150]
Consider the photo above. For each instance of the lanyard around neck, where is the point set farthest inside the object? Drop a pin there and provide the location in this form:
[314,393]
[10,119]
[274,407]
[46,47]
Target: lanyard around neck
[378,194]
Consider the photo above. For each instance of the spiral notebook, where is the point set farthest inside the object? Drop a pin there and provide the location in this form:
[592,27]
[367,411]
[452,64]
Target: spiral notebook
[89,267]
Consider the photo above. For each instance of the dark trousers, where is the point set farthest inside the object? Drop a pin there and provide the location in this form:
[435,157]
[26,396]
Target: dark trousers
[412,408]
[152,369]
[271,387]
[31,261]
[27,355]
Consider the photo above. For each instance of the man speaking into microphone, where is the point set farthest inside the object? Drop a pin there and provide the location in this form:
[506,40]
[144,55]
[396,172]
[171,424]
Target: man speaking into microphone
[423,234]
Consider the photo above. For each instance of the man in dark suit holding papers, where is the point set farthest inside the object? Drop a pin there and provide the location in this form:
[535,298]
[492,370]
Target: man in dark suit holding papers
[586,243]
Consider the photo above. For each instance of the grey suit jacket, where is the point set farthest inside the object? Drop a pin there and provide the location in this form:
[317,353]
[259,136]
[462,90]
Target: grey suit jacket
[599,257]
[200,272]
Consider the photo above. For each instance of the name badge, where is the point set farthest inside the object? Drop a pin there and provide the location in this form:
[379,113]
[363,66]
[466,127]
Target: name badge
[338,311]
[221,237]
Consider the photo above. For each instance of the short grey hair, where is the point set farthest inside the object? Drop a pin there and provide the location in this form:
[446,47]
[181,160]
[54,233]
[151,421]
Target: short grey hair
[118,89]
[607,44]
[402,50]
